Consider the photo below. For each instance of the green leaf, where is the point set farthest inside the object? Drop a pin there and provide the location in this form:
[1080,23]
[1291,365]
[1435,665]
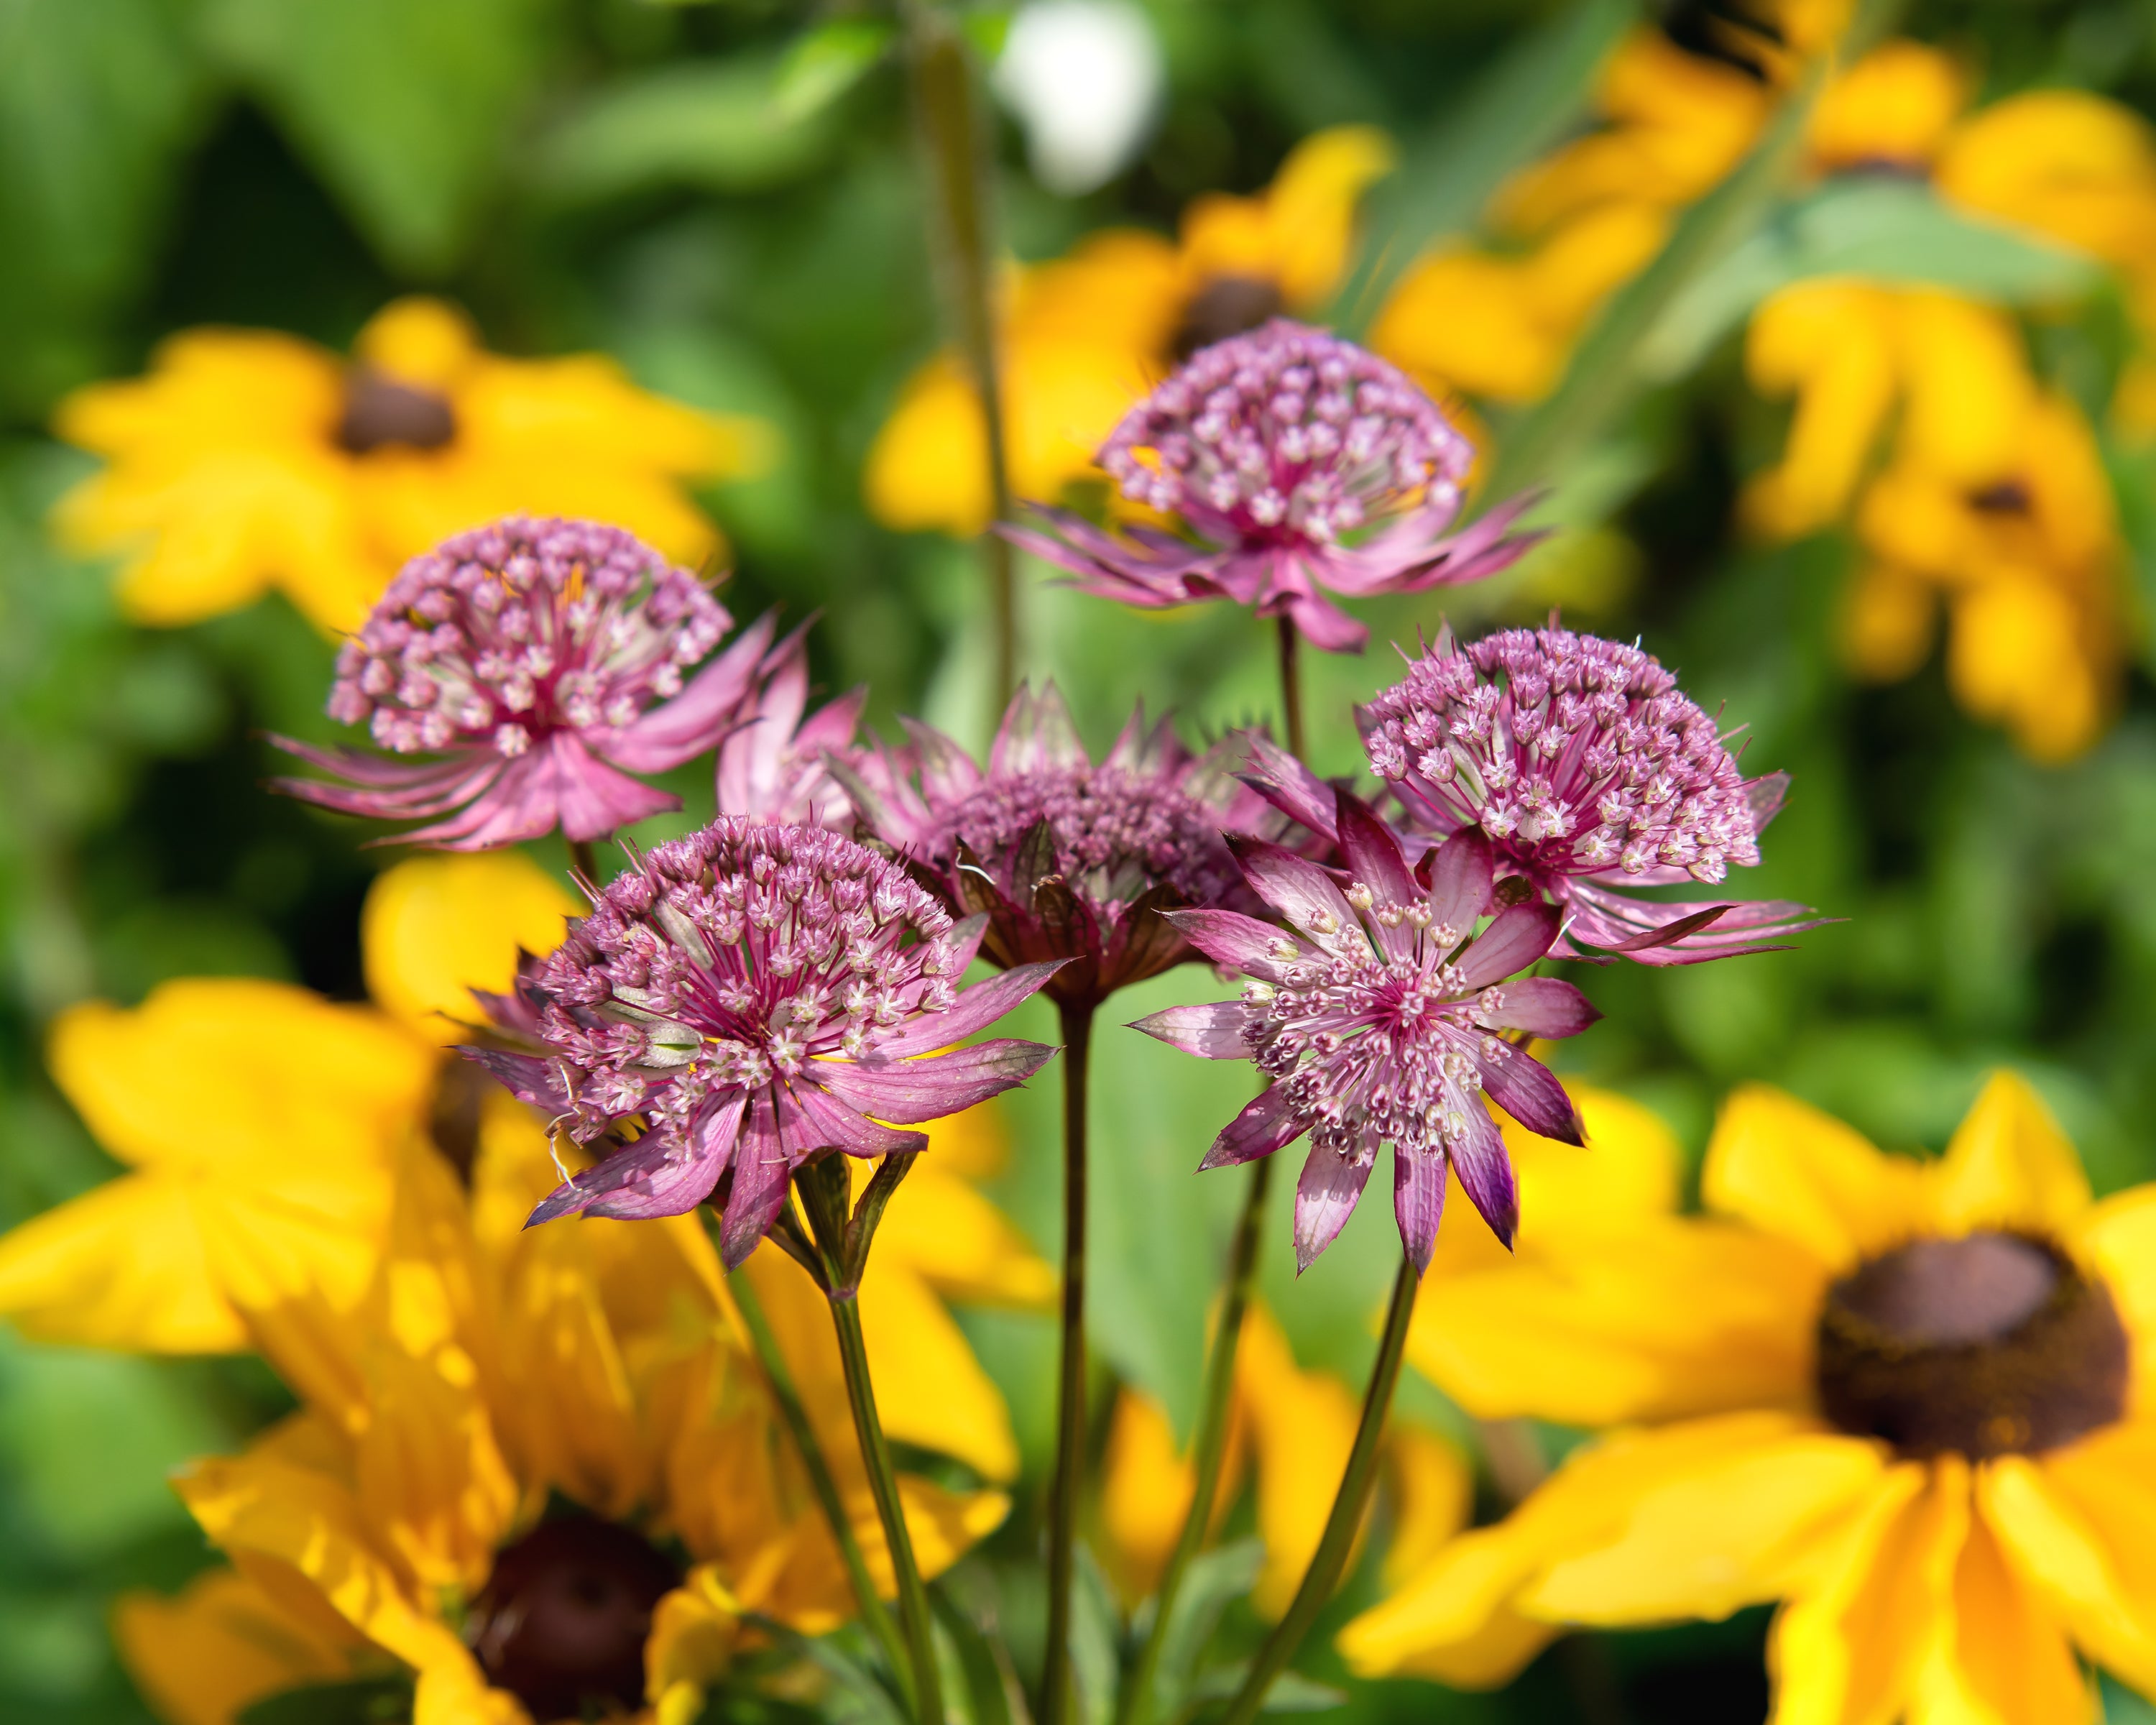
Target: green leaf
[404,107]
[1214,1580]
[826,62]
[364,1701]
[717,123]
[1096,1641]
[1888,230]
[97,100]
[1521,105]
[1290,1692]
[857,1695]
[983,1692]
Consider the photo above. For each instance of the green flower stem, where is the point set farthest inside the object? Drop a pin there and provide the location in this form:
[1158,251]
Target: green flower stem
[1211,1445]
[912,1596]
[1055,1683]
[874,1613]
[1290,676]
[954,146]
[1356,1485]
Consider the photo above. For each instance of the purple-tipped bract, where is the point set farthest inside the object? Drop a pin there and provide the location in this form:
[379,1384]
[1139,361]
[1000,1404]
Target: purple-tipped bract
[742,1000]
[510,676]
[1377,1013]
[1301,462]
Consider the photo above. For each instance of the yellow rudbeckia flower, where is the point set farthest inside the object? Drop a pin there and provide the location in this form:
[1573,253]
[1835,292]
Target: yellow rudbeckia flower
[1085,335]
[1908,1399]
[247,460]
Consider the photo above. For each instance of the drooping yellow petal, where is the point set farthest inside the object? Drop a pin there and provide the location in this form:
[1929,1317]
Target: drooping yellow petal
[422,342]
[2009,1166]
[1146,1489]
[1892,106]
[1969,388]
[694,1631]
[1456,1619]
[1310,209]
[2067,162]
[435,927]
[1831,343]
[928,466]
[1730,1533]
[2060,1545]
[1847,1647]
[1458,320]
[2117,1240]
[219,1646]
[1890,619]
[2016,658]
[217,1071]
[1303,1425]
[2007,1660]
[1432,1498]
[957,1242]
[931,1390]
[2107,1477]
[120,1266]
[1670,1317]
[1790,1170]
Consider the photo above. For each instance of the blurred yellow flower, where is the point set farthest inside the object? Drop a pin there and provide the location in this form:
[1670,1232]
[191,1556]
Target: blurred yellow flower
[247,460]
[1908,1399]
[1085,335]
[1301,1426]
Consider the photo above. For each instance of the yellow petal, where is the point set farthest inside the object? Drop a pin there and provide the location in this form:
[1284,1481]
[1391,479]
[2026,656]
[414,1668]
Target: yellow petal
[2060,1545]
[2066,162]
[2015,657]
[928,464]
[218,1646]
[419,341]
[215,1072]
[1832,342]
[1310,208]
[435,927]
[1455,1619]
[2117,1239]
[959,1243]
[694,1631]
[122,1266]
[1847,1648]
[1303,1425]
[930,1389]
[2007,1660]
[1790,1170]
[1627,1169]
[1670,1317]
[1146,1489]
[1458,320]
[451,1692]
[1889,621]
[1731,1533]
[1970,391]
[1433,1490]
[1893,106]
[2009,1166]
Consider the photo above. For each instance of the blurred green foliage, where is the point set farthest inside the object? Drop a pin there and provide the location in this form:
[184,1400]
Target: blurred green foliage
[723,196]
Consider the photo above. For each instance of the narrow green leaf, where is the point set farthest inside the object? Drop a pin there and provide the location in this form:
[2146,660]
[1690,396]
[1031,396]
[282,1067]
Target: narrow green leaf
[826,62]
[857,1695]
[1215,1578]
[981,1690]
[1096,1642]
[1520,107]
[1290,1692]
[364,1701]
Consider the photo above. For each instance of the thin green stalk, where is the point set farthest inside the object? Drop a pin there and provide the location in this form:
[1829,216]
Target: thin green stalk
[1055,1683]
[883,1478]
[874,1613]
[1290,676]
[954,144]
[1356,1484]
[1211,1444]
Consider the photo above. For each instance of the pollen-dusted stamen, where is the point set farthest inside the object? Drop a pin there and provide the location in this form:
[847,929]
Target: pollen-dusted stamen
[379,411]
[563,1618]
[1992,1344]
[747,998]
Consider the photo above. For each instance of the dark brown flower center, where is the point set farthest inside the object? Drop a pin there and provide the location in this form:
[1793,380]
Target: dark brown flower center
[1226,306]
[1988,1345]
[379,411]
[2006,497]
[561,1623]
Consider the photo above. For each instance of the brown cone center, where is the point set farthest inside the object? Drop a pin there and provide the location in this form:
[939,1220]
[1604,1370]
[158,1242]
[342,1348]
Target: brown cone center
[1987,1345]
[1226,306]
[378,411]
[562,1621]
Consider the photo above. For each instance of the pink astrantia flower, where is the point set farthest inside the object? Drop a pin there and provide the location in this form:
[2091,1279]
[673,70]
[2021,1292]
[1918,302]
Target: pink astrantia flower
[745,999]
[1067,860]
[1592,776]
[1377,1015]
[1301,462]
[510,676]
[772,765]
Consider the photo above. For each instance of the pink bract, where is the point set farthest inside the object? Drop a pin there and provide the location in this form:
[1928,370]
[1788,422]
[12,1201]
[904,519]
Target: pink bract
[742,1000]
[1299,462]
[517,676]
[1377,1013]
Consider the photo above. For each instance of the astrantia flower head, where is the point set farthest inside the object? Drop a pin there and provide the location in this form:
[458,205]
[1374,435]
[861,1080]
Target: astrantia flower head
[1067,860]
[522,663]
[743,999]
[1377,1013]
[1301,461]
[1591,774]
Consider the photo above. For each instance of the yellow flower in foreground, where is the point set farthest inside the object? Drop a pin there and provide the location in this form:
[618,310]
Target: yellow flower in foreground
[1908,1399]
[1085,335]
[247,460]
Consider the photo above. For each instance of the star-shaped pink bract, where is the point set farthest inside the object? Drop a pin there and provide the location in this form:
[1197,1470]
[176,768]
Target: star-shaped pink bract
[1592,775]
[1377,1015]
[509,677]
[1299,462]
[1067,860]
[772,765]
[745,999]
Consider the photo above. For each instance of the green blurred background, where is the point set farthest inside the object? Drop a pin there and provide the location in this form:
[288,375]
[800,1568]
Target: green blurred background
[651,180]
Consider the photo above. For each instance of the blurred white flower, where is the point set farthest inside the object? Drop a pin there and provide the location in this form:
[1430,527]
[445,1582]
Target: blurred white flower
[1084,79]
